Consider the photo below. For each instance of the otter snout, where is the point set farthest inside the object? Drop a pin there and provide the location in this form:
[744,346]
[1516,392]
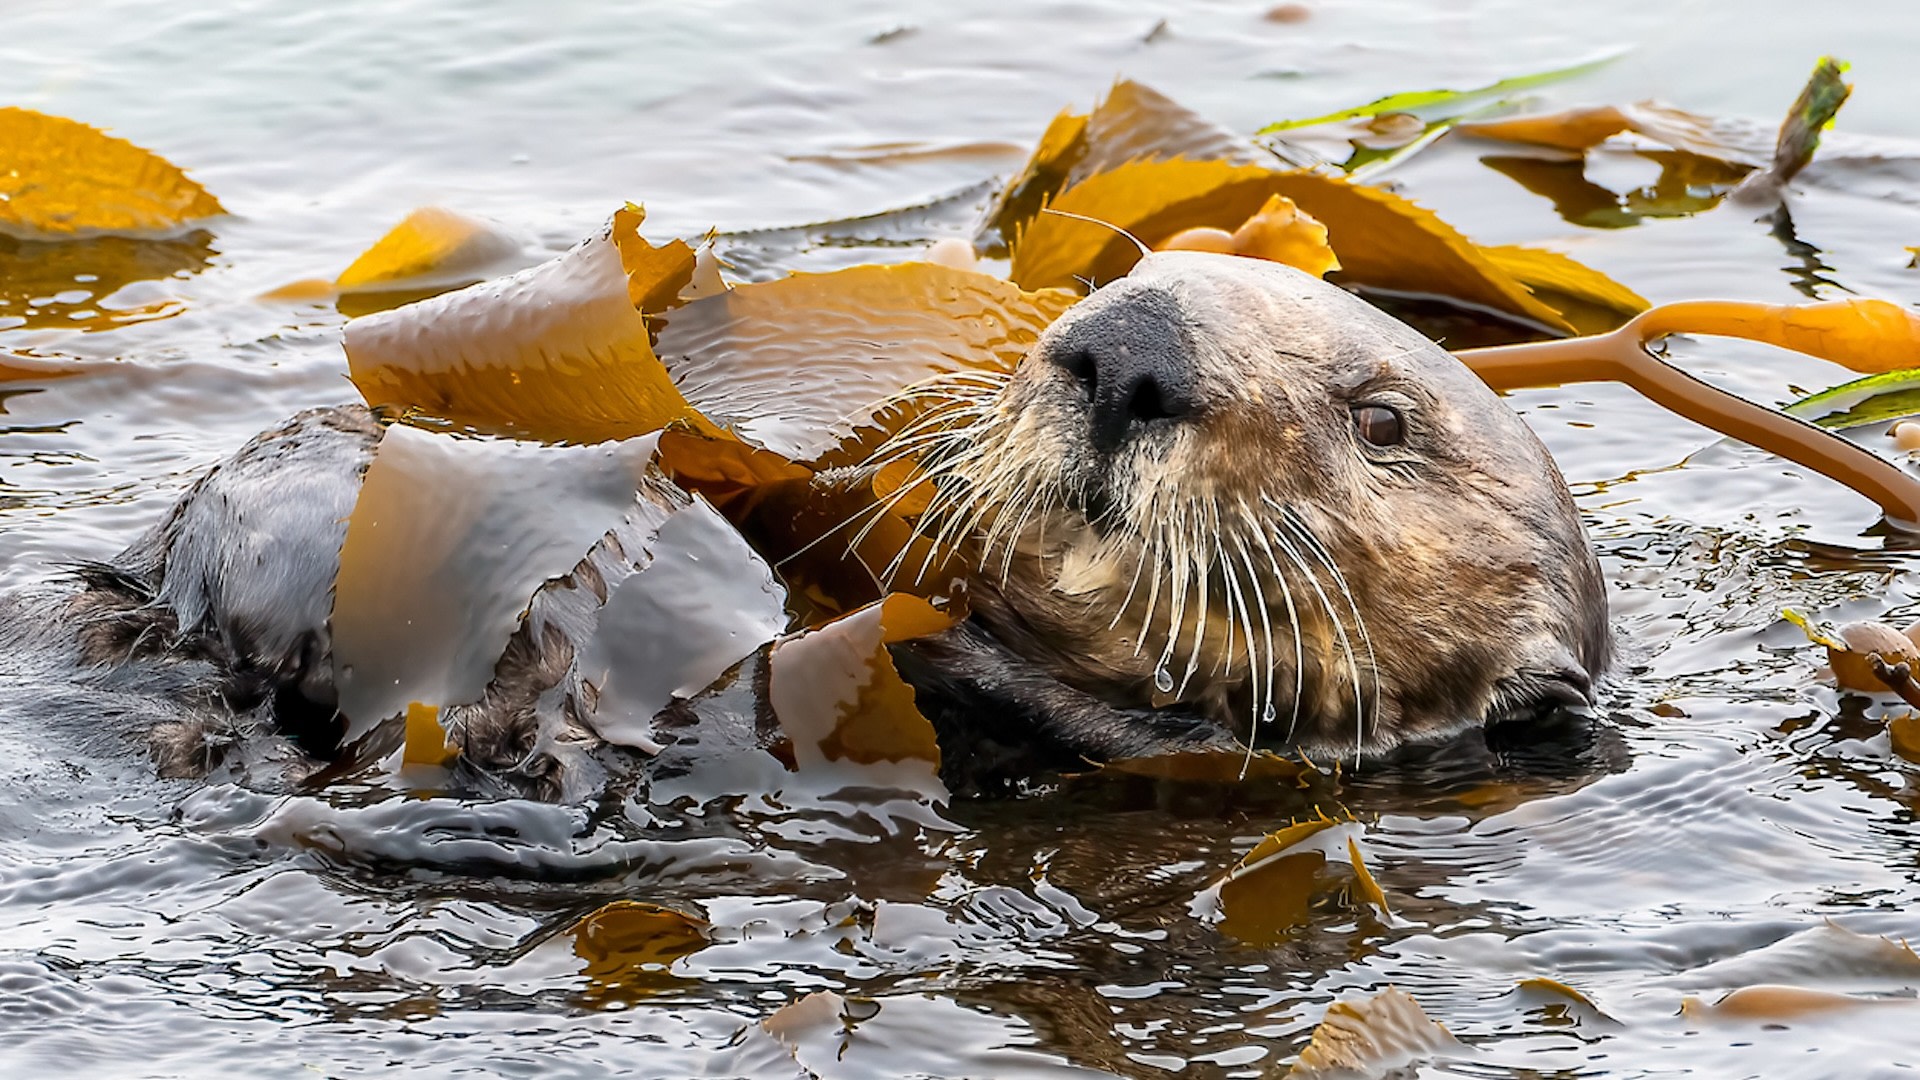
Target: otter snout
[1132,355]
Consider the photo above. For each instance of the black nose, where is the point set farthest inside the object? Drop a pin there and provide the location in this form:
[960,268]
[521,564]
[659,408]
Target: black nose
[1134,357]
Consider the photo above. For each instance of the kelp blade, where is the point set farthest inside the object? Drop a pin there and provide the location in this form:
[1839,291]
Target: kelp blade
[64,179]
[557,352]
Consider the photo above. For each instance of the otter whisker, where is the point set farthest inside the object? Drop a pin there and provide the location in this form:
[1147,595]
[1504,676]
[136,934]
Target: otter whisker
[1203,583]
[1340,580]
[966,384]
[940,424]
[1293,622]
[963,498]
[1133,585]
[1288,526]
[1029,501]
[1153,553]
[1266,623]
[949,421]
[1237,600]
[1263,691]
[1326,604]
[1177,592]
[1231,583]
[1137,242]
[961,495]
[874,512]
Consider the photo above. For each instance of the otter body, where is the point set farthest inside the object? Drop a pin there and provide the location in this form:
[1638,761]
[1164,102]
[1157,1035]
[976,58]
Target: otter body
[1221,503]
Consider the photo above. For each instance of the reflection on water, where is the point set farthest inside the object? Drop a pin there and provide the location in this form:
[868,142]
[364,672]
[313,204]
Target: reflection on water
[1717,824]
[94,284]
[1682,185]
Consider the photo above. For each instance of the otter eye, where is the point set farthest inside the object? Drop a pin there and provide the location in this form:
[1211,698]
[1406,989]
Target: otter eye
[1379,425]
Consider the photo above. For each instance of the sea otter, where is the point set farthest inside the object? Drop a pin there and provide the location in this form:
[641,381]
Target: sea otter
[1220,503]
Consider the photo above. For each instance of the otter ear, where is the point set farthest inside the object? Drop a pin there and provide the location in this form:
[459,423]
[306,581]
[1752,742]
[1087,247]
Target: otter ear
[1549,680]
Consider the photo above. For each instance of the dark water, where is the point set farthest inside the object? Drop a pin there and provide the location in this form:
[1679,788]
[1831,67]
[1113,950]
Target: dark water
[1730,814]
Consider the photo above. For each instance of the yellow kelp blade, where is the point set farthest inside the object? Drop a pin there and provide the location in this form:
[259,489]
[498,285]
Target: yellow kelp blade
[1731,141]
[430,246]
[426,740]
[795,365]
[61,179]
[1903,734]
[1862,334]
[1134,122]
[431,250]
[1855,649]
[1383,241]
[557,352]
[1775,1006]
[1593,302]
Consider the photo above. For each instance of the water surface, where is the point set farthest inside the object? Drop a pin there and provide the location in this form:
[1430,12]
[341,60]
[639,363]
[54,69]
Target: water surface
[1731,811]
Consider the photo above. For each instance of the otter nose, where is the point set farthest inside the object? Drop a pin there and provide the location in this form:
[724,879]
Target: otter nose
[1134,359]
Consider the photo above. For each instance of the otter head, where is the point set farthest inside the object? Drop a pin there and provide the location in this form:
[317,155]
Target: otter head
[1223,487]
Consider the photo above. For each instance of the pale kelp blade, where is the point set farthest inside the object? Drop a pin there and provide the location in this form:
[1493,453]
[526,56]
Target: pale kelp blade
[704,602]
[796,364]
[1373,1036]
[449,540]
[851,720]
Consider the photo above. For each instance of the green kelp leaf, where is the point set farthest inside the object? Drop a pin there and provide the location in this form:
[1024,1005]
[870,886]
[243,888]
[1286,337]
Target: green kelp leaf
[1372,1037]
[1812,113]
[1875,399]
[1415,101]
[61,179]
